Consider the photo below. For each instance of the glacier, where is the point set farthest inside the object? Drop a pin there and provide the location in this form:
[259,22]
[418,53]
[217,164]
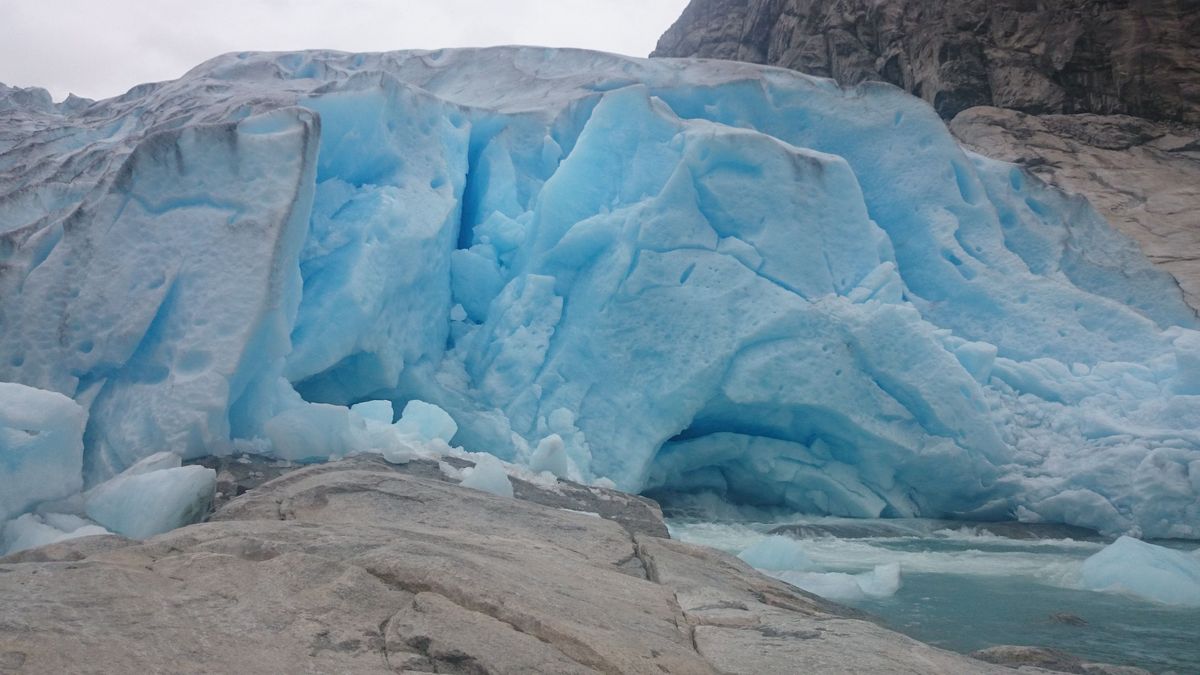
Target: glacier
[675,275]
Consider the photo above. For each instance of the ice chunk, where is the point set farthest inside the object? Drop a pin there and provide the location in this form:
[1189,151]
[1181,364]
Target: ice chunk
[1152,572]
[881,582]
[784,558]
[378,411]
[488,475]
[41,447]
[550,455]
[315,431]
[777,552]
[426,421]
[32,530]
[141,505]
[395,447]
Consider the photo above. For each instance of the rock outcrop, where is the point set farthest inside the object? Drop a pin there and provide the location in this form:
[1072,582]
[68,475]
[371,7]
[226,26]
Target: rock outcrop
[1136,57]
[364,567]
[1142,176]
[1097,97]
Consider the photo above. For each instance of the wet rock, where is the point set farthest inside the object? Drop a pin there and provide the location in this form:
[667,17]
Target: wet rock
[1068,619]
[1015,656]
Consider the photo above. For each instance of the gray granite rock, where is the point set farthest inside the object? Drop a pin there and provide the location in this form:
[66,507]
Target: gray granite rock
[1043,660]
[1015,656]
[364,567]
[1137,57]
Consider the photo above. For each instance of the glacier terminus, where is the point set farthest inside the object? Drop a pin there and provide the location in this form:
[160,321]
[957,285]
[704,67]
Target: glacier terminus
[674,275]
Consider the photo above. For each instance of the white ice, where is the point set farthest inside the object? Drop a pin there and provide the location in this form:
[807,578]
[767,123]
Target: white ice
[776,552]
[488,475]
[33,530]
[1146,570]
[152,497]
[881,582]
[784,558]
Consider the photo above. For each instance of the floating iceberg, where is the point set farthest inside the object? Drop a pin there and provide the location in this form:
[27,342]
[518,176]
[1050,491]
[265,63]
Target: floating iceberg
[697,275]
[776,552]
[784,558]
[1146,570]
[881,582]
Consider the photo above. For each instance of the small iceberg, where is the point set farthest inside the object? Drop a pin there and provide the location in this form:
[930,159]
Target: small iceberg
[1148,571]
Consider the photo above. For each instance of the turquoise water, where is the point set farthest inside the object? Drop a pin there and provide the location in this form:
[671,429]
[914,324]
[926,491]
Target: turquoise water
[966,588]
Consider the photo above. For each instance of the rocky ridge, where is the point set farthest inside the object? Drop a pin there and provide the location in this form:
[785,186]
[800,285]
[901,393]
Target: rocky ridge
[1135,57]
[361,566]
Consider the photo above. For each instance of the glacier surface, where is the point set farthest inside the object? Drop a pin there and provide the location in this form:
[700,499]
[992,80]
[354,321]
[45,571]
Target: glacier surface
[671,274]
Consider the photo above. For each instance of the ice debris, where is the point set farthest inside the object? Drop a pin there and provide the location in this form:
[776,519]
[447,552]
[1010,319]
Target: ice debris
[41,447]
[1146,570]
[881,582]
[550,455]
[699,275]
[776,552]
[426,422]
[33,530]
[153,496]
[784,558]
[488,475]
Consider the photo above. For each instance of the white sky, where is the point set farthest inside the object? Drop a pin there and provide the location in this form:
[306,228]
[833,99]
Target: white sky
[101,48]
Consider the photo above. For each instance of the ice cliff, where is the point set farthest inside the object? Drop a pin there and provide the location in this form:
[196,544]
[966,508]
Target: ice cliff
[683,275]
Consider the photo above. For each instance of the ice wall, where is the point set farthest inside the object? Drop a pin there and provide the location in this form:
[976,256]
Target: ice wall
[694,275]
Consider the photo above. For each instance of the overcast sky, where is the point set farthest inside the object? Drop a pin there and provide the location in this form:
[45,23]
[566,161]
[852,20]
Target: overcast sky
[101,48]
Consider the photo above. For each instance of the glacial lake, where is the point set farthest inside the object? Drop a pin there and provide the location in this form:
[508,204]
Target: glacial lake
[965,588]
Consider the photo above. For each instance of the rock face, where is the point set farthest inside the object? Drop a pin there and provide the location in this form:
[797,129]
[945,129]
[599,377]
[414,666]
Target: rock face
[364,567]
[1096,97]
[1142,176]
[1136,57]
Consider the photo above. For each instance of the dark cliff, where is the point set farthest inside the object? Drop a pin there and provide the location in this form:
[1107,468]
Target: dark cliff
[1135,57]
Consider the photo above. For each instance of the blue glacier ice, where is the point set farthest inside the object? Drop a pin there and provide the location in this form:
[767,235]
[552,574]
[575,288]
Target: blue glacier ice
[33,530]
[41,448]
[153,496]
[694,275]
[1148,571]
